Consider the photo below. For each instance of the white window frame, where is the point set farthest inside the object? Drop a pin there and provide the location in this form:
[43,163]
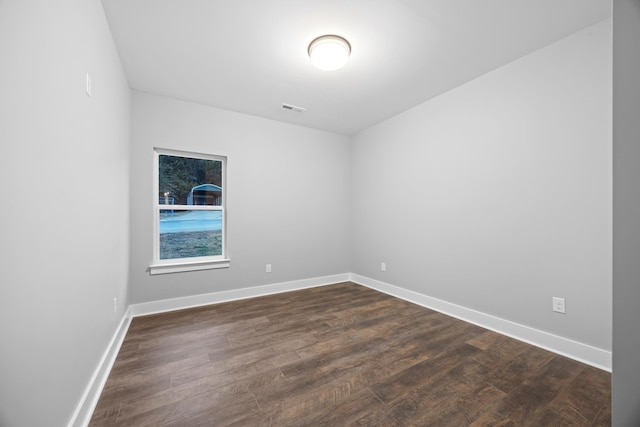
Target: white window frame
[175,265]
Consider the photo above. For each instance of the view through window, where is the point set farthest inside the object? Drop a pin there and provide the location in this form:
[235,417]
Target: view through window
[189,207]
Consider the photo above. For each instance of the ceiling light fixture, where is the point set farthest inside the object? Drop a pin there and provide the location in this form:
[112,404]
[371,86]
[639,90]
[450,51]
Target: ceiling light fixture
[329,52]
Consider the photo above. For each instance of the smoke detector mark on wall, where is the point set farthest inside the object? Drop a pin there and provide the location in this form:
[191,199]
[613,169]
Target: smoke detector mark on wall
[293,108]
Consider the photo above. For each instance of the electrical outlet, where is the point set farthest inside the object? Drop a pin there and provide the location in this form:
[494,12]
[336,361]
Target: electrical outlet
[268,269]
[383,266]
[558,305]
[115,304]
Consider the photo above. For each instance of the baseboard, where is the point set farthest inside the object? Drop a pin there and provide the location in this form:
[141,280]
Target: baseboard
[584,353]
[578,351]
[89,399]
[146,308]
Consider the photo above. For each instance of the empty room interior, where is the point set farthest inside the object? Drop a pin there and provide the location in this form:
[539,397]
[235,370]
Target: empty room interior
[208,228]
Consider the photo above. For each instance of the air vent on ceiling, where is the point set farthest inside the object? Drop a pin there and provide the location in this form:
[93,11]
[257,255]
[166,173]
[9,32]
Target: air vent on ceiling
[293,108]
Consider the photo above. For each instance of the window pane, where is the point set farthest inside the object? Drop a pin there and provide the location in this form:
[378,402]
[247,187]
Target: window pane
[189,181]
[187,234]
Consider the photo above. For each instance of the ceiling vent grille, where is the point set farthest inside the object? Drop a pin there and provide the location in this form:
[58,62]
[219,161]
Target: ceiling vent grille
[295,108]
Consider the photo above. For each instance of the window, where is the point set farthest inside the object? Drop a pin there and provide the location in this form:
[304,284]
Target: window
[189,212]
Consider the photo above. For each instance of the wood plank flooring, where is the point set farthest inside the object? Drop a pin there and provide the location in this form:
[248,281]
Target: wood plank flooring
[340,355]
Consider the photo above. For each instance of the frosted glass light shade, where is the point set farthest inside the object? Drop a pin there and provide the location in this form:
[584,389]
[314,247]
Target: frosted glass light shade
[329,52]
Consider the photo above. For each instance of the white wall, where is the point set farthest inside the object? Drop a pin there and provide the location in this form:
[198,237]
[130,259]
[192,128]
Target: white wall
[626,213]
[287,200]
[496,196]
[64,217]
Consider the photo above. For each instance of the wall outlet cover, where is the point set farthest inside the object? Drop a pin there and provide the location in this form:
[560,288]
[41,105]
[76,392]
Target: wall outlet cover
[559,305]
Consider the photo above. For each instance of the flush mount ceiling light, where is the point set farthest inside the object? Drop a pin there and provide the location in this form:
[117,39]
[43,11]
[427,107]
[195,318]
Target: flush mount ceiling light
[329,52]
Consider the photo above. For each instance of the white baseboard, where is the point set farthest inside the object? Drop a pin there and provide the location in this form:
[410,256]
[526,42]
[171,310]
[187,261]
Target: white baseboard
[581,352]
[89,399]
[145,308]
[584,353]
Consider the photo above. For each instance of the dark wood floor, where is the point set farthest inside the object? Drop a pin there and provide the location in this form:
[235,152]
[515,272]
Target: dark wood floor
[336,356]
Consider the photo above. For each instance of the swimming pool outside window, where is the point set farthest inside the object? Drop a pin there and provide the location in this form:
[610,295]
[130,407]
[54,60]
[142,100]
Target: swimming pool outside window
[189,212]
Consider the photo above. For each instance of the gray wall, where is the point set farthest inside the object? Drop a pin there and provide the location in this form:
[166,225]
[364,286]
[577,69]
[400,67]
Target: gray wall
[65,204]
[287,200]
[626,213]
[520,158]
[496,196]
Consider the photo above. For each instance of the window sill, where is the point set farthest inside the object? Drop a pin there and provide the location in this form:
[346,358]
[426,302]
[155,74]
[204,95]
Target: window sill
[188,266]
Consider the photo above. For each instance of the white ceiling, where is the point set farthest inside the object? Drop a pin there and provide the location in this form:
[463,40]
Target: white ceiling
[250,56]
